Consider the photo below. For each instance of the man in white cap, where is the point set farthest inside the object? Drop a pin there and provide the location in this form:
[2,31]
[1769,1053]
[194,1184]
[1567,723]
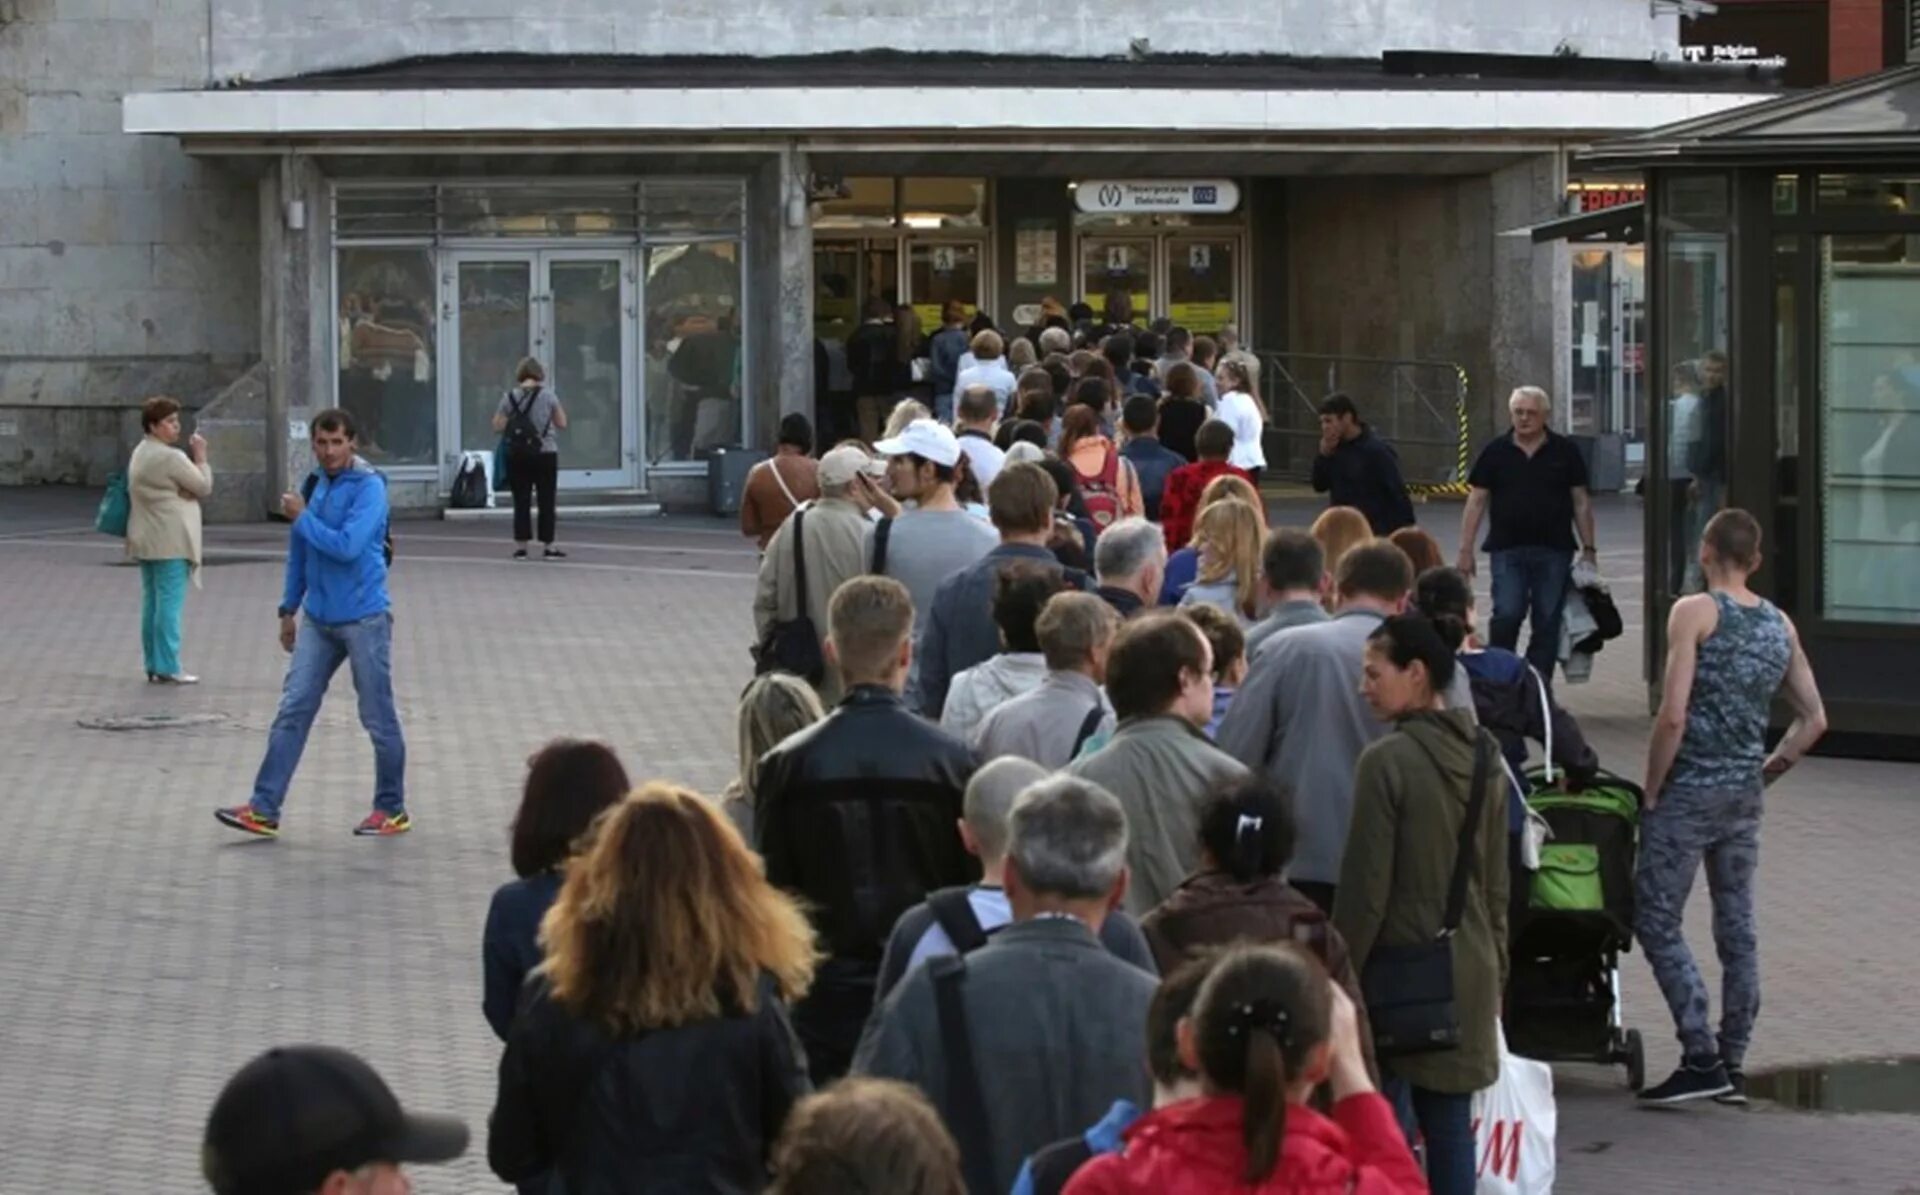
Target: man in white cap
[935,536]
[834,528]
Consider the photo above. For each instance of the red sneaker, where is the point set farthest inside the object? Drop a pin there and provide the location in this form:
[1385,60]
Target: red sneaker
[244,819]
[381,824]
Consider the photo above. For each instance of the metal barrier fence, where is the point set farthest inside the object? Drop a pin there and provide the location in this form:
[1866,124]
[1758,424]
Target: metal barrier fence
[1420,407]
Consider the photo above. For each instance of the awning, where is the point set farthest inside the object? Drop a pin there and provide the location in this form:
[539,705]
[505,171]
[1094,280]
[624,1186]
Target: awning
[1625,223]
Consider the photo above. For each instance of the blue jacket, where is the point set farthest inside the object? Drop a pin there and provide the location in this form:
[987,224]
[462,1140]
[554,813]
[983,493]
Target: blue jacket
[510,946]
[1151,461]
[960,631]
[336,551]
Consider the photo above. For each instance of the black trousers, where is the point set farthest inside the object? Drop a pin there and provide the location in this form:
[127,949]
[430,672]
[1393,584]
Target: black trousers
[1320,894]
[542,473]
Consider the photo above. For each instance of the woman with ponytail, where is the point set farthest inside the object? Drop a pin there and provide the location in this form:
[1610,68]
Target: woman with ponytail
[1240,892]
[1414,805]
[1268,1028]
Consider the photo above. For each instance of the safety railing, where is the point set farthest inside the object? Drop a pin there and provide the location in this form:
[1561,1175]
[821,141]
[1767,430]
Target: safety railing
[1420,407]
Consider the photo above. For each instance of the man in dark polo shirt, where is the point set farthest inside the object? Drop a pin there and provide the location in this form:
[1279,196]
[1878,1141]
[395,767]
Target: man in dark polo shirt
[1535,483]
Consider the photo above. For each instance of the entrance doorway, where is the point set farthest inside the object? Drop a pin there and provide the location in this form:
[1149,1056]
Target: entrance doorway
[1188,276]
[573,311]
[1608,393]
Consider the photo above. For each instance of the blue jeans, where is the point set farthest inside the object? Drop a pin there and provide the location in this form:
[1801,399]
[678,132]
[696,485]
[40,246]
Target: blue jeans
[1530,581]
[943,408]
[318,652]
[1445,1121]
[163,591]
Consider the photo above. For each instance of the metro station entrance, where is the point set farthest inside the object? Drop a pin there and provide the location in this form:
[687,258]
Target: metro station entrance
[1190,276]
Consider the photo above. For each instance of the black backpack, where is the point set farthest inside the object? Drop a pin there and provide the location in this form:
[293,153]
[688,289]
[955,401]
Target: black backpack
[522,438]
[386,542]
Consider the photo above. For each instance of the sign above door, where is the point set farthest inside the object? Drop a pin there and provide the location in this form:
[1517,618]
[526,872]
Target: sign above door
[1106,196]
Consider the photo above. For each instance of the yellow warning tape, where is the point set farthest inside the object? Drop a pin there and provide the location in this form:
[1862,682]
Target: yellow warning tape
[1458,487]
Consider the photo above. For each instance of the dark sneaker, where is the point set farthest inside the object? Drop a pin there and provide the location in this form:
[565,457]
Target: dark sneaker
[1736,1097]
[244,819]
[381,824]
[1697,1079]
[519,553]
[554,554]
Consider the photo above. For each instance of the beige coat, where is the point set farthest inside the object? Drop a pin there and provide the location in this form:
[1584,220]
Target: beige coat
[165,487]
[836,531]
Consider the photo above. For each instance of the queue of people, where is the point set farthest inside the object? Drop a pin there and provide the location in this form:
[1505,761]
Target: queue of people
[1040,882]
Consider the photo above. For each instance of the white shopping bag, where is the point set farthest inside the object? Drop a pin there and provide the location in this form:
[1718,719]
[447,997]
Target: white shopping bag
[1513,1128]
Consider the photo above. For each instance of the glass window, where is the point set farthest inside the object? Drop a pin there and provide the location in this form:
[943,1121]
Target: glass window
[943,202]
[1870,432]
[939,272]
[561,208]
[1694,200]
[1786,194]
[1784,550]
[864,203]
[1200,284]
[384,212]
[693,349]
[1870,193]
[385,329]
[693,206]
[1699,397]
[496,331]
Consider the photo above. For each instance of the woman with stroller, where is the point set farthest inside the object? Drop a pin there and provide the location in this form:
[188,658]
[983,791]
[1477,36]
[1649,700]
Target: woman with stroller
[1729,650]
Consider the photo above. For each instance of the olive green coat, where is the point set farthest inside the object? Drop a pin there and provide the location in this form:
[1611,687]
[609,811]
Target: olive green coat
[1393,880]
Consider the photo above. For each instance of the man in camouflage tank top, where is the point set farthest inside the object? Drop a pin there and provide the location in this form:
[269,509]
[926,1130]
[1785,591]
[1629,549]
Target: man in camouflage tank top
[1728,652]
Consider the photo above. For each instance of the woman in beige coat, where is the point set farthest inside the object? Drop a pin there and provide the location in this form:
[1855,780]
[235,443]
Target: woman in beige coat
[163,532]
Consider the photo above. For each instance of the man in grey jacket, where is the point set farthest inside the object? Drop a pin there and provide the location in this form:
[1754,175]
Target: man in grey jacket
[1159,762]
[1299,713]
[1042,1008]
[1295,571]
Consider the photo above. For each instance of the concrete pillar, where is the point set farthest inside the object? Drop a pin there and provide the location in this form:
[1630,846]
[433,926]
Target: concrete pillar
[1532,292]
[295,314]
[780,274]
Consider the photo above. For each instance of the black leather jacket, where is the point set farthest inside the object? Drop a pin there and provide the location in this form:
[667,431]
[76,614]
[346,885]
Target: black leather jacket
[857,815]
[690,1109]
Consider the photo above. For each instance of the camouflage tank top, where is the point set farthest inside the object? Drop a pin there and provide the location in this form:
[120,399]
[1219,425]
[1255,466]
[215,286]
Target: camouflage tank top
[1740,668]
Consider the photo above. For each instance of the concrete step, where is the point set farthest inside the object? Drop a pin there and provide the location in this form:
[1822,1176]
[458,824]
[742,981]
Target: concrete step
[598,504]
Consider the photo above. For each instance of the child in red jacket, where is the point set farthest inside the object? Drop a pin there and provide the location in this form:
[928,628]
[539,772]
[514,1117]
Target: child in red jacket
[1267,1028]
[1180,499]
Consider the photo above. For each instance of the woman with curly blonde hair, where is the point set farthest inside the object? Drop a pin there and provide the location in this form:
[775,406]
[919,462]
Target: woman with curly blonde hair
[654,1040]
[1183,565]
[1228,536]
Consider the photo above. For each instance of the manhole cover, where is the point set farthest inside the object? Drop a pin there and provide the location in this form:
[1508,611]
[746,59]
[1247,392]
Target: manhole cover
[150,721]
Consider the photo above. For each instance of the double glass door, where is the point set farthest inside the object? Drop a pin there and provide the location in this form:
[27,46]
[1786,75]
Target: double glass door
[573,311]
[1191,278]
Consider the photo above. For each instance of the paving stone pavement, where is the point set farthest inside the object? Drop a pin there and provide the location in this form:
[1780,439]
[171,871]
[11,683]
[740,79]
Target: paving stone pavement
[145,952]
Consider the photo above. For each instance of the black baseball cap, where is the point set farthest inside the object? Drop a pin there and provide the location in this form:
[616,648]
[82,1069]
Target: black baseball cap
[296,1114]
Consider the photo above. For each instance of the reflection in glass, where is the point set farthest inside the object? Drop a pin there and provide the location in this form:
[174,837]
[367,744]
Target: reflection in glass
[1870,434]
[693,356]
[1699,398]
[943,202]
[1592,375]
[1200,285]
[386,352]
[868,203]
[1110,266]
[585,370]
[1784,550]
[495,301]
[1870,193]
[939,272]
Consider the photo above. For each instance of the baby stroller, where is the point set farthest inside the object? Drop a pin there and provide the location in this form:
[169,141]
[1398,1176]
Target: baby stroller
[1563,996]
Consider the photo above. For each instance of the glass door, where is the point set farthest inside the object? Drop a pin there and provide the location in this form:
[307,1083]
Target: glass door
[1123,264]
[940,271]
[1201,283]
[585,320]
[489,304]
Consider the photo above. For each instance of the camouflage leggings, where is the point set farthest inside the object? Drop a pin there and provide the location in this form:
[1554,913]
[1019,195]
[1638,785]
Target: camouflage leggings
[1723,829]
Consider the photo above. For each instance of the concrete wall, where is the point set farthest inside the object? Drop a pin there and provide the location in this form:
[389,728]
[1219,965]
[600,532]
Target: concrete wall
[126,268]
[273,38]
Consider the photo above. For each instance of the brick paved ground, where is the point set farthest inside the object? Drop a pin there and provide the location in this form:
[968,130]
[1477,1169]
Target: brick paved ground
[145,952]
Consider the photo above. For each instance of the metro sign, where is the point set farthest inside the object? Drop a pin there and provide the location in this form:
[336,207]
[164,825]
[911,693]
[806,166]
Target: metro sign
[1123,196]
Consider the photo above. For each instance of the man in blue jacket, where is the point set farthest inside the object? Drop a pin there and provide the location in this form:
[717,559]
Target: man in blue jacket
[337,572]
[1361,469]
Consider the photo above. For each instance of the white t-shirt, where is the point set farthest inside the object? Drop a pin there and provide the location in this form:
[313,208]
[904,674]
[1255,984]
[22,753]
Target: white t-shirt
[994,374]
[1238,411]
[984,457]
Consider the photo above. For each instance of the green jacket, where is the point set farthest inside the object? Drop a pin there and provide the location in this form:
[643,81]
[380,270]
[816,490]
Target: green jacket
[1393,880]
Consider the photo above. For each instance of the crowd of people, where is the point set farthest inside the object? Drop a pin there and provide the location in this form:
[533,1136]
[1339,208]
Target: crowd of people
[1068,850]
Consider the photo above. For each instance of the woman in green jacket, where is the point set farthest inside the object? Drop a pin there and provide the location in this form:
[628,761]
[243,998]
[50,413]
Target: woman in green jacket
[1411,792]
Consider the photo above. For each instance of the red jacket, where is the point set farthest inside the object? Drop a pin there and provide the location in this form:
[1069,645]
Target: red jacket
[1194,1148]
[1180,501]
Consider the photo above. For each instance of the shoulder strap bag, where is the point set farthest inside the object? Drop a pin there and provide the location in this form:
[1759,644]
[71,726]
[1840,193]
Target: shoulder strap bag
[963,1103]
[794,645]
[1409,989]
[953,912]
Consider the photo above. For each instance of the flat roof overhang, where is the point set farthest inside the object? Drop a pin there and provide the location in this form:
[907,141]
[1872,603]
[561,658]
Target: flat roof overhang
[235,119]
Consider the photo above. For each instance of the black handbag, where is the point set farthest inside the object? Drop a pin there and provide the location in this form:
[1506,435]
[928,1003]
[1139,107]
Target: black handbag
[794,645]
[1409,989]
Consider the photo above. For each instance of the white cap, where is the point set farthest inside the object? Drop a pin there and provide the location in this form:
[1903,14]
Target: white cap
[923,438]
[1025,450]
[841,465]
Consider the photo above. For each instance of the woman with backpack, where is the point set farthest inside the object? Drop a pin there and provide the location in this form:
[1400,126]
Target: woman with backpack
[1107,482]
[528,416]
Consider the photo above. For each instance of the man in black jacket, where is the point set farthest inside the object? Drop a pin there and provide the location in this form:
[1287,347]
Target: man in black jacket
[858,814]
[1360,468]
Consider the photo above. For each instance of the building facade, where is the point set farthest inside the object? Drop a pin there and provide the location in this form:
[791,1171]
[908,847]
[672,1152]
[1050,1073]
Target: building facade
[269,208]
